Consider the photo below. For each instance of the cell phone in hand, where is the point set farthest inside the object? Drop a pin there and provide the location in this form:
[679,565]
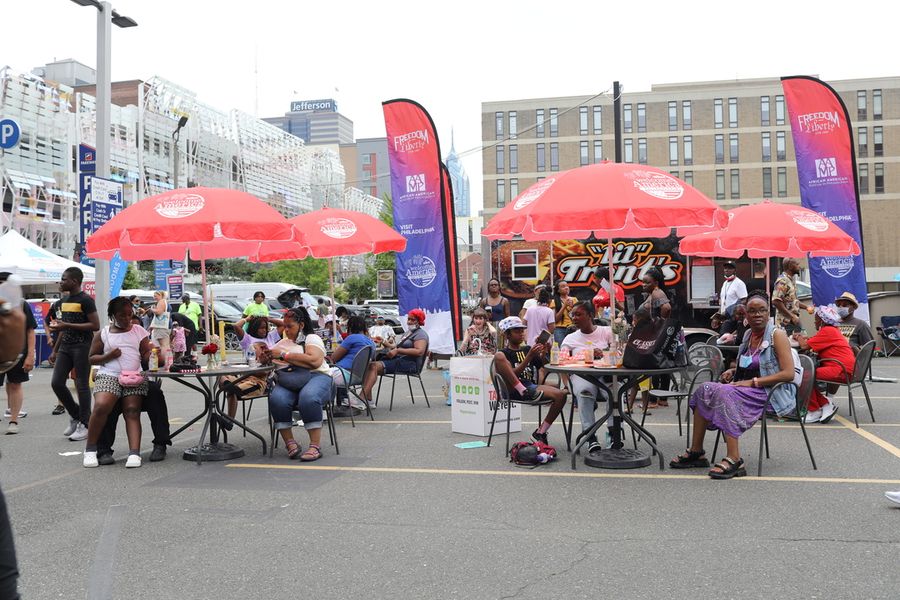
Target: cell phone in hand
[543,337]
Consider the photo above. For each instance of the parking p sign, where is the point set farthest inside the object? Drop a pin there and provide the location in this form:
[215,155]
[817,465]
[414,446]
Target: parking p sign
[9,133]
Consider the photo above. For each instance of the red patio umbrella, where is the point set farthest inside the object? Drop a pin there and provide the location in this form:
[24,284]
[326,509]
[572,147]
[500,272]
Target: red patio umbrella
[207,222]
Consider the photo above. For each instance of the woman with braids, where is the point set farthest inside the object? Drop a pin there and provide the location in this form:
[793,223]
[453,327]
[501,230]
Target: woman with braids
[658,306]
[736,402]
[118,348]
[257,338]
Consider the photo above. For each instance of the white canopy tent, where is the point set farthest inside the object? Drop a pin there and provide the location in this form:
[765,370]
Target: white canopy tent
[32,263]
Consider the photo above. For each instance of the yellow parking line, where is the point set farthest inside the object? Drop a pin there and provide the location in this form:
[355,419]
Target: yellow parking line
[536,473]
[869,436]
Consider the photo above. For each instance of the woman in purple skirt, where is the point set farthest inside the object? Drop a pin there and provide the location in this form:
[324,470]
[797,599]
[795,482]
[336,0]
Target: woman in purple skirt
[734,405]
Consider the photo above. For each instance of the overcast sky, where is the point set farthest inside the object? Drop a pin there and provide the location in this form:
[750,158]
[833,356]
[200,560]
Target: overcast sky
[258,56]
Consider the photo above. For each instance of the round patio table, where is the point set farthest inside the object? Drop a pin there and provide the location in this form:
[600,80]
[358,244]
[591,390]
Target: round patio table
[607,458]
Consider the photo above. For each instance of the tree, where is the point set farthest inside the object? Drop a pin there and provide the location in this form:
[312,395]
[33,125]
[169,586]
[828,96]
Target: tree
[386,260]
[310,273]
[361,287]
[132,278]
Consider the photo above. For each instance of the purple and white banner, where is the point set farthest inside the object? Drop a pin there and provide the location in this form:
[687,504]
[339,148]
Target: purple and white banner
[826,168]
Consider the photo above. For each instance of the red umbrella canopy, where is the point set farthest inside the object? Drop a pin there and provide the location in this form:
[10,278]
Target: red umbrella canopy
[771,229]
[210,222]
[330,232]
[606,200]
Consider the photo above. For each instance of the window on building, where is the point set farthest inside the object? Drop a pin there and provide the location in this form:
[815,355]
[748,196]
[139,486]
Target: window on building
[782,182]
[513,189]
[554,156]
[584,158]
[554,122]
[673,115]
[733,147]
[541,158]
[685,114]
[717,113]
[524,265]
[539,123]
[767,182]
[598,151]
[688,150]
[879,178]
[861,105]
[735,184]
[501,163]
[863,178]
[688,177]
[498,125]
[732,112]
[764,111]
[642,151]
[583,120]
[862,135]
[876,105]
[598,120]
[673,150]
[501,193]
[780,146]
[626,118]
[766,146]
[642,117]
[720,148]
[673,173]
[513,125]
[514,158]
[720,184]
[878,141]
[779,110]
[629,151]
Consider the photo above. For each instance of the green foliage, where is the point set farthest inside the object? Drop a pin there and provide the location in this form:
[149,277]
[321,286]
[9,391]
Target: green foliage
[340,295]
[237,269]
[311,273]
[361,287]
[132,278]
[386,260]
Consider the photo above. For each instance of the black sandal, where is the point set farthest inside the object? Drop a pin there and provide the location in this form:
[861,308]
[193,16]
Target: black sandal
[690,460]
[729,468]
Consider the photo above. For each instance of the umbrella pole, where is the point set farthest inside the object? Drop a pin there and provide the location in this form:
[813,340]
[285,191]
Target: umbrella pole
[334,335]
[612,291]
[206,306]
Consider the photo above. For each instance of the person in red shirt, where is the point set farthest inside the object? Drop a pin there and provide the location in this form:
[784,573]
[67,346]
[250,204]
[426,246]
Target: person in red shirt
[829,342]
[601,300]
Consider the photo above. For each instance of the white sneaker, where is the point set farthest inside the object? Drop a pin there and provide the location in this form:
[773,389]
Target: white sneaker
[22,414]
[80,433]
[90,460]
[133,462]
[828,411]
[73,424]
[12,429]
[813,416]
[893,497]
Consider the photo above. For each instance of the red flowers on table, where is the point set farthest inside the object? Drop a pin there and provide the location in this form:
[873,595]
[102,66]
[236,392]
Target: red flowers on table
[210,349]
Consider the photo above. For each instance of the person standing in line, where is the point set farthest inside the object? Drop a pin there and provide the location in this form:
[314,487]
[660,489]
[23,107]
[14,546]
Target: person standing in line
[784,298]
[75,320]
[160,325]
[562,305]
[539,318]
[20,372]
[857,331]
[531,301]
[601,299]
[758,281]
[733,289]
[192,310]
[496,305]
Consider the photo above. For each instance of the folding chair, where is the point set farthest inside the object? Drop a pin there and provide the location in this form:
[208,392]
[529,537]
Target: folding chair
[354,380]
[863,359]
[329,419]
[890,326]
[803,394]
[420,364]
[705,363]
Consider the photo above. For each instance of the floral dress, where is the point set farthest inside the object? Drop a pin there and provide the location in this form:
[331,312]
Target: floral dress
[487,337]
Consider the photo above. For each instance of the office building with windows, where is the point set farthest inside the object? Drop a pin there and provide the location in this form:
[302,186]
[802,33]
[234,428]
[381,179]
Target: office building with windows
[315,122]
[729,139]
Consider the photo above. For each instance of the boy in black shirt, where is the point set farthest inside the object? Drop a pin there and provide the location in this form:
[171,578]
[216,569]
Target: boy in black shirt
[519,365]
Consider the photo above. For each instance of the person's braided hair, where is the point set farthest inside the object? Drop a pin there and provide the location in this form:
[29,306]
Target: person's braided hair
[115,305]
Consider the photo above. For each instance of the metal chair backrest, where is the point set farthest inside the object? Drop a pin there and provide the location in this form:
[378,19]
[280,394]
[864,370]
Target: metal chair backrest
[711,340]
[705,356]
[360,364]
[807,382]
[421,360]
[863,358]
[500,388]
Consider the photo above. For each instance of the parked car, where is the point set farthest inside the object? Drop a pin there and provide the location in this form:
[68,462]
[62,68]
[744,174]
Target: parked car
[275,309]
[222,313]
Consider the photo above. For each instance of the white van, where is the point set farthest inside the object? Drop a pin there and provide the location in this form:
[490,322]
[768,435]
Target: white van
[242,292]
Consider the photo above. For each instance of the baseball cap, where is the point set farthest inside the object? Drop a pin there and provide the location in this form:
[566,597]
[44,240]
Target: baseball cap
[729,265]
[511,323]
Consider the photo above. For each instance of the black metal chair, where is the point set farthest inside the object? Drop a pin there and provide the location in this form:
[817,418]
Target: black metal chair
[503,396]
[329,419]
[705,363]
[804,391]
[353,382]
[863,360]
[420,364]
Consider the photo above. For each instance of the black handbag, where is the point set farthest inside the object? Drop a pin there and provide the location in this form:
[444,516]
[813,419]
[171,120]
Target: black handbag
[653,344]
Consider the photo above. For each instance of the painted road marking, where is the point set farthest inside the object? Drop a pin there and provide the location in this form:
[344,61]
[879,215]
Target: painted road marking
[869,436]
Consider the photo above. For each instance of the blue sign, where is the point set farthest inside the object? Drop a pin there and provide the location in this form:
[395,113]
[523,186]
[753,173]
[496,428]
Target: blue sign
[118,268]
[161,270]
[87,166]
[9,134]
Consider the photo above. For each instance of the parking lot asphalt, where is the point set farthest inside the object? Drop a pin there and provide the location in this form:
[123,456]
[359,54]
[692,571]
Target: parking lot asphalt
[403,513]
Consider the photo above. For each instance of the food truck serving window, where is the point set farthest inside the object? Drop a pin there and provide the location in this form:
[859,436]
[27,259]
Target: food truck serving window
[524,264]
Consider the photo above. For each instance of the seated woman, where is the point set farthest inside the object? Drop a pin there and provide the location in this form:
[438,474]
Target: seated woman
[257,338]
[587,394]
[480,336]
[118,349]
[735,404]
[343,356]
[305,384]
[405,358]
[830,343]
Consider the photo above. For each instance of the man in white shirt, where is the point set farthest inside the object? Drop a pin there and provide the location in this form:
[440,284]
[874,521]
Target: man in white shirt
[733,289]
[531,301]
[382,331]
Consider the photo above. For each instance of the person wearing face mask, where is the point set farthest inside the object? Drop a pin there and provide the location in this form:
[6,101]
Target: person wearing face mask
[406,357]
[857,331]
[829,343]
[733,289]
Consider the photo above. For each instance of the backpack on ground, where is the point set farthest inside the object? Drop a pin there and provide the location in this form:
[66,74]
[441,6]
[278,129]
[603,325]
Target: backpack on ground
[531,454]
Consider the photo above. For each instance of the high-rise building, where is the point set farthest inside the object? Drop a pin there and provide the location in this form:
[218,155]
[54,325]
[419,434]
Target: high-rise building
[367,167]
[459,181]
[315,122]
[729,139]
